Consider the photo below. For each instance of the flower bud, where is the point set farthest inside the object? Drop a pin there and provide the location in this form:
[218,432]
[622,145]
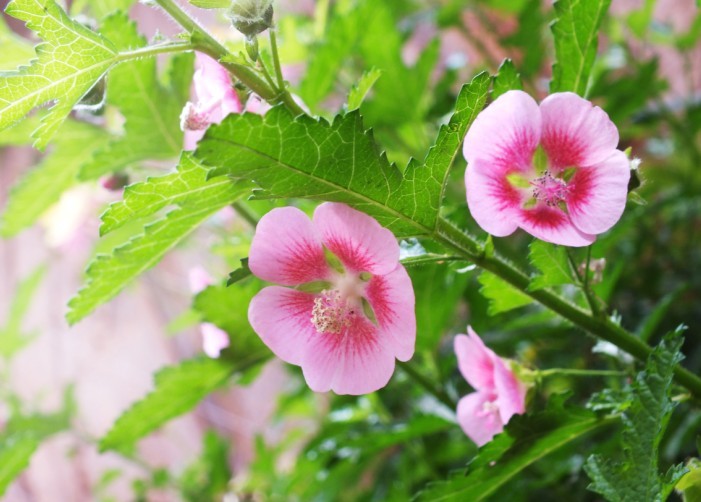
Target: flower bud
[251,17]
[115,182]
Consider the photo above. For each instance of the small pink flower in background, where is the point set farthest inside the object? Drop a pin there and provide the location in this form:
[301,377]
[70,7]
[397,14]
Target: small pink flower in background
[344,318]
[214,339]
[498,395]
[216,98]
[552,170]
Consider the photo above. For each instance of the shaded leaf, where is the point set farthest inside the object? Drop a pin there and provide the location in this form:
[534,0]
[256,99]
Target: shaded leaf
[502,296]
[552,262]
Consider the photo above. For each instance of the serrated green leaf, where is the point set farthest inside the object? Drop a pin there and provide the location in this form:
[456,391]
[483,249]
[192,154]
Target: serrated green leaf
[15,49]
[360,90]
[177,389]
[502,296]
[240,273]
[151,110]
[576,40]
[42,187]
[527,439]
[506,79]
[340,161]
[70,61]
[645,419]
[107,275]
[11,336]
[211,4]
[15,453]
[552,262]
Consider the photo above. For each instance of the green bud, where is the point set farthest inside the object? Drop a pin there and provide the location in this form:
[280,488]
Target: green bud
[252,47]
[251,17]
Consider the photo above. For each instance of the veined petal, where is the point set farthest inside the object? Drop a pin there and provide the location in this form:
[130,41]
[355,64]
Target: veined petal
[352,362]
[391,297]
[357,239]
[598,194]
[551,224]
[511,394]
[286,249]
[475,361]
[576,133]
[505,134]
[476,421]
[282,319]
[491,198]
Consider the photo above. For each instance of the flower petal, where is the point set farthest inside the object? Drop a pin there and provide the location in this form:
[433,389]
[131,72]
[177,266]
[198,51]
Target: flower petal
[214,339]
[357,239]
[491,199]
[353,362]
[286,249]
[213,85]
[391,297]
[576,133]
[511,394]
[598,194]
[505,134]
[551,224]
[479,425]
[475,361]
[282,319]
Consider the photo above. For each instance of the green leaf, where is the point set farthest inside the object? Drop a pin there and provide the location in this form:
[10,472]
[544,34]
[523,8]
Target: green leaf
[12,338]
[177,389]
[240,273]
[43,186]
[208,477]
[507,79]
[576,30]
[70,61]
[340,162]
[101,9]
[360,90]
[211,4]
[15,49]
[527,439]
[502,296]
[15,453]
[197,199]
[552,262]
[636,476]
[151,110]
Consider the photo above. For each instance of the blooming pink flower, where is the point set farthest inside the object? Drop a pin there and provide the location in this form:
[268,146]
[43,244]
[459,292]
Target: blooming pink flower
[348,309]
[216,98]
[498,393]
[552,170]
[214,339]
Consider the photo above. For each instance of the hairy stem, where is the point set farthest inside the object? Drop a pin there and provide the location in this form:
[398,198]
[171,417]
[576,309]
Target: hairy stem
[576,372]
[154,50]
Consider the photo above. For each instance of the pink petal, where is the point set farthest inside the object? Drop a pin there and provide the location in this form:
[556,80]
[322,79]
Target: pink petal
[505,134]
[282,319]
[475,361]
[511,394]
[598,194]
[213,83]
[551,224]
[479,425]
[214,340]
[191,139]
[491,199]
[357,239]
[392,299]
[198,279]
[352,362]
[576,133]
[286,249]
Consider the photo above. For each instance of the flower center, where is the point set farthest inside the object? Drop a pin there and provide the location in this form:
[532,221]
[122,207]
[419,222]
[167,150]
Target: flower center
[333,312]
[549,189]
[488,408]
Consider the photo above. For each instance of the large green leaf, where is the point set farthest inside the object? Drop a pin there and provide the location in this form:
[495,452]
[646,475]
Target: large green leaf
[15,50]
[527,439]
[101,8]
[177,390]
[646,413]
[502,296]
[551,261]
[340,161]
[150,109]
[42,187]
[576,30]
[107,275]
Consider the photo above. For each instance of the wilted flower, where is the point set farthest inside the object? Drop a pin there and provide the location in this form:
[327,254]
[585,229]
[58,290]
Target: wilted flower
[348,309]
[552,170]
[498,395]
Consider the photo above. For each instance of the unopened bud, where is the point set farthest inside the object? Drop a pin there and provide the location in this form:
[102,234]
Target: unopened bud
[251,17]
[115,182]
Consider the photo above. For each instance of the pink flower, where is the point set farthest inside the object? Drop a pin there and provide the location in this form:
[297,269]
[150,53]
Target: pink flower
[214,340]
[552,170]
[348,309]
[216,98]
[498,393]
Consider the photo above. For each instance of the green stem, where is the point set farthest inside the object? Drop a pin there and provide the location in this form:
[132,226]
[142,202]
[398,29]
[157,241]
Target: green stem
[427,384]
[154,50]
[248,215]
[583,283]
[468,246]
[276,60]
[574,372]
